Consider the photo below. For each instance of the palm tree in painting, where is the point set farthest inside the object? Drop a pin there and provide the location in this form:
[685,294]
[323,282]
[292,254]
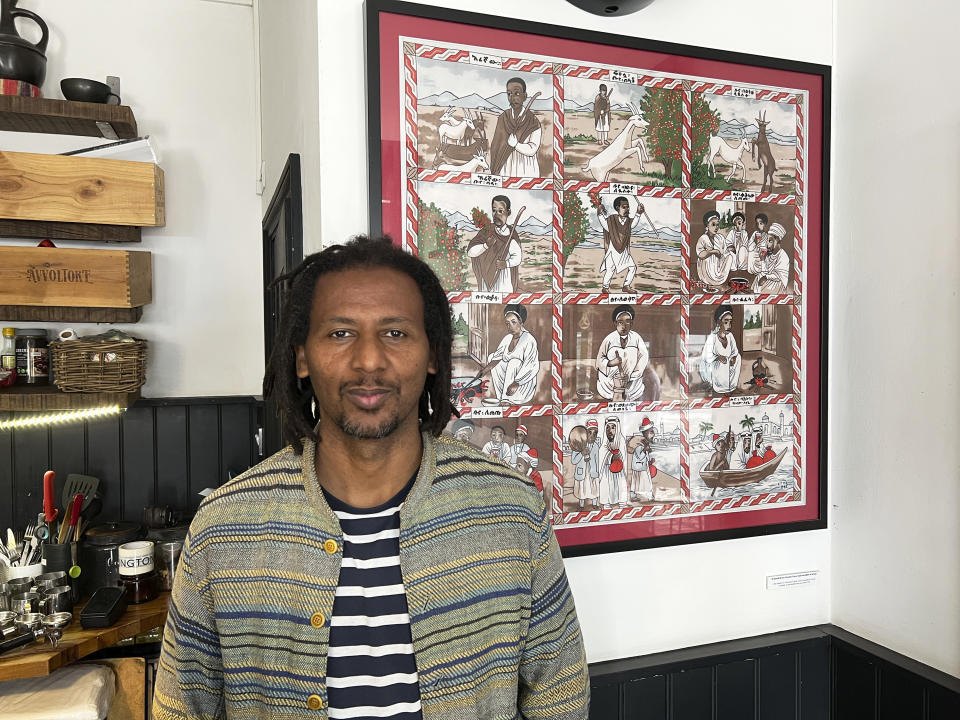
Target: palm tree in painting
[705,427]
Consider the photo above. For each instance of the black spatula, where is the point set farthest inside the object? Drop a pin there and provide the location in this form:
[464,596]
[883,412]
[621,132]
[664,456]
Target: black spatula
[76,483]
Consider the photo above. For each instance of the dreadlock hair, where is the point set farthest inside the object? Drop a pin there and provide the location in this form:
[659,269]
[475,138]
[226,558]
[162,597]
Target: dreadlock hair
[294,397]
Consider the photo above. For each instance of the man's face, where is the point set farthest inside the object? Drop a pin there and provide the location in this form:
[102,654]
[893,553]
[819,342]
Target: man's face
[611,430]
[514,326]
[464,434]
[624,323]
[623,208]
[761,225]
[497,436]
[500,212]
[746,444]
[648,434]
[592,434]
[738,223]
[516,95]
[366,353]
[523,466]
[713,224]
[520,437]
[773,244]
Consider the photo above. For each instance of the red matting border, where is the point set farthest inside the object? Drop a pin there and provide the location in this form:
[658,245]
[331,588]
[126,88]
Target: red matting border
[392,26]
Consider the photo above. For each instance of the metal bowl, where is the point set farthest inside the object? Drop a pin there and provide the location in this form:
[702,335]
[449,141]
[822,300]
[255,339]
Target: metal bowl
[30,621]
[57,620]
[7,617]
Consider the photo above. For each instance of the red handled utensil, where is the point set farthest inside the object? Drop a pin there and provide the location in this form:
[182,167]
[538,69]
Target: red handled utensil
[50,511]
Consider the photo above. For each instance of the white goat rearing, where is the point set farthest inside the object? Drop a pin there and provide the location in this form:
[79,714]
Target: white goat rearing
[617,151]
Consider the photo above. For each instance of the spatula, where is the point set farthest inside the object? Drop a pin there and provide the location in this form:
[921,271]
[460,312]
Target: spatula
[79,484]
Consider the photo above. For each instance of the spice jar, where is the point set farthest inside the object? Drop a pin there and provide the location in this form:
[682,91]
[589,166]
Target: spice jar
[8,357]
[33,359]
[138,573]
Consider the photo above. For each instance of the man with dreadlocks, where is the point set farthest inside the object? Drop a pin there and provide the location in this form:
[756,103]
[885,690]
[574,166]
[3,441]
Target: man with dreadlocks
[373,567]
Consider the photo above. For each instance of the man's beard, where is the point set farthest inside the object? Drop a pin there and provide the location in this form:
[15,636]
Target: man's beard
[361,431]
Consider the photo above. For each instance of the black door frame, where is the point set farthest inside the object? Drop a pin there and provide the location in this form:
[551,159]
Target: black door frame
[284,215]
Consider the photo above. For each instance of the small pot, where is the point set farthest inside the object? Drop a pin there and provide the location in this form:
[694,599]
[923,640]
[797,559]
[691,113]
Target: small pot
[58,577]
[59,599]
[25,603]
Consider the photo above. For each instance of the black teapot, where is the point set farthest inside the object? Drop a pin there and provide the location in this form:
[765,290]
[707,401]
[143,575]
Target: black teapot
[20,59]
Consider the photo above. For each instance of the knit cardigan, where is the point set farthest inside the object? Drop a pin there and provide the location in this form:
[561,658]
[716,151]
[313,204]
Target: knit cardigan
[495,631]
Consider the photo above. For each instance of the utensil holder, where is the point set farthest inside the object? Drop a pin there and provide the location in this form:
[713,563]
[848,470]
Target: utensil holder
[58,557]
[12,573]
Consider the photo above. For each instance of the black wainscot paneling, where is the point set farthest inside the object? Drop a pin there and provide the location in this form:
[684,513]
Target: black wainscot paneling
[158,452]
[874,682]
[819,673]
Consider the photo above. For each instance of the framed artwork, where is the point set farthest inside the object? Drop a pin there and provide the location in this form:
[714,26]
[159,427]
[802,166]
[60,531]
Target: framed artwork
[632,235]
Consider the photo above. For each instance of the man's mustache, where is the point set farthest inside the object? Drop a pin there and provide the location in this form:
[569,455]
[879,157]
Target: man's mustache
[371,383]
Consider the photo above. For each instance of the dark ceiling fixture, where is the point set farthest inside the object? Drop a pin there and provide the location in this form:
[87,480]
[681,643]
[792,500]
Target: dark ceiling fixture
[610,8]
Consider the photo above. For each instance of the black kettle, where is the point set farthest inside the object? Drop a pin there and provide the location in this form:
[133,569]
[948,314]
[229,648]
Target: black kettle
[20,59]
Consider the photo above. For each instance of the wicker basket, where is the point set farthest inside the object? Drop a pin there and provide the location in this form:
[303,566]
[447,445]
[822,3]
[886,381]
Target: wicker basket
[99,365]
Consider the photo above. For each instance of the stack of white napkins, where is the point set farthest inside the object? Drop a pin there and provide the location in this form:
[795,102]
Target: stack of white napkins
[75,692]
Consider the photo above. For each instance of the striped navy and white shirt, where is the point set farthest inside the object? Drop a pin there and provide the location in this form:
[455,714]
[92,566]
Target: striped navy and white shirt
[371,668]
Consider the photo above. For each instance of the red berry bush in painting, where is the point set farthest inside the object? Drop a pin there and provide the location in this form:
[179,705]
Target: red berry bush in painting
[440,244]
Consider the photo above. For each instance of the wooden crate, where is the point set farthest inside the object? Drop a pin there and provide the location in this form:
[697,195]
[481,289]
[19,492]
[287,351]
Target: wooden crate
[69,188]
[79,278]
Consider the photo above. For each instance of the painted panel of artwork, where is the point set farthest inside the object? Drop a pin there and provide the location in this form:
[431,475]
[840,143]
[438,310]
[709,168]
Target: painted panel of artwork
[632,240]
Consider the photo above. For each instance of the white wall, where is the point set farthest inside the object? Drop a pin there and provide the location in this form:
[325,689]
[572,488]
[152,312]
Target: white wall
[894,340]
[187,69]
[638,602]
[290,94]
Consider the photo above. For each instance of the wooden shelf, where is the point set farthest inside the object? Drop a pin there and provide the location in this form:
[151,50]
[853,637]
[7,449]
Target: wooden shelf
[71,314]
[62,117]
[37,660]
[41,229]
[48,397]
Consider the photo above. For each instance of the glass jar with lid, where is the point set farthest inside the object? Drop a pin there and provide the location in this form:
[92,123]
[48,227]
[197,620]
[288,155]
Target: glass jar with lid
[33,358]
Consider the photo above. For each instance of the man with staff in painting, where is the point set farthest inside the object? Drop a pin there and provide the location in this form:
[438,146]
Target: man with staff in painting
[495,250]
[617,230]
[516,139]
[601,114]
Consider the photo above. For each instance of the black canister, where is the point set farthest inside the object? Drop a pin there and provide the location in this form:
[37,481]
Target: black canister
[99,553]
